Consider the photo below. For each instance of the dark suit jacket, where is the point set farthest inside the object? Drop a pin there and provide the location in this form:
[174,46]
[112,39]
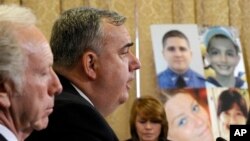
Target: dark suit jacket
[74,119]
[2,138]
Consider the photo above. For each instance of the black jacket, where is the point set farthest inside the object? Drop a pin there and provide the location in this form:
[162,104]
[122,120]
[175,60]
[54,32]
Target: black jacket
[74,119]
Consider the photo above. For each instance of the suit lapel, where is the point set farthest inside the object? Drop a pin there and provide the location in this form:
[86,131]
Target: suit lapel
[70,93]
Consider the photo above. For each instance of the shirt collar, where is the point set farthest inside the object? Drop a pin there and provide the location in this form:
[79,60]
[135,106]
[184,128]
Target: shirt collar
[9,135]
[174,76]
[82,94]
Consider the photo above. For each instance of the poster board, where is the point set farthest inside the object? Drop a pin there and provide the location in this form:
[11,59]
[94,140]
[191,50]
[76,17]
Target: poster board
[221,60]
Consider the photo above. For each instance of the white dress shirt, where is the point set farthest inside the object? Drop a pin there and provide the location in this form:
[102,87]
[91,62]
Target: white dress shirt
[82,94]
[7,133]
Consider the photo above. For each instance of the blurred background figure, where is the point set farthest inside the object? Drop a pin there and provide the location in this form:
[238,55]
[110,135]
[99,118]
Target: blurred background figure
[148,120]
[188,119]
[232,109]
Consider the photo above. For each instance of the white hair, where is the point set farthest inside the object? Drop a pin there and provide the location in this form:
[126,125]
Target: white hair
[12,60]
[17,14]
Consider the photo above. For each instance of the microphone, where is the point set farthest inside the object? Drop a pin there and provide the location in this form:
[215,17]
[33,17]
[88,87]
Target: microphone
[220,139]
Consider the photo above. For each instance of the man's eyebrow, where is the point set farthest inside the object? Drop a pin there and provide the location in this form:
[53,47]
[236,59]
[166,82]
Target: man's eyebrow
[170,47]
[129,44]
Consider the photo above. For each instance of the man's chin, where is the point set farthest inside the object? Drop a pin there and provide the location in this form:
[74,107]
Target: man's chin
[180,70]
[124,98]
[40,125]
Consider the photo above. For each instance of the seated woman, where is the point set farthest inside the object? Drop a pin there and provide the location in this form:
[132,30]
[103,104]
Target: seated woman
[148,120]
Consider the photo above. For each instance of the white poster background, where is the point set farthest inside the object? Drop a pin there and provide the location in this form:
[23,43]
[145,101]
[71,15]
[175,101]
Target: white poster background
[191,31]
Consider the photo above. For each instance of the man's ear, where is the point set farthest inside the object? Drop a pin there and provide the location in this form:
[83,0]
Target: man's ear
[89,63]
[5,90]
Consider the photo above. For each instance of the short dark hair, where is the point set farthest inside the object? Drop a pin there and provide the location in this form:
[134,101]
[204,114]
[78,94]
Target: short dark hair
[227,98]
[173,33]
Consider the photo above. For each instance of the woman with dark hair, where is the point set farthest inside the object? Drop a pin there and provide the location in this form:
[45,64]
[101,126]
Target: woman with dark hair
[148,120]
[232,109]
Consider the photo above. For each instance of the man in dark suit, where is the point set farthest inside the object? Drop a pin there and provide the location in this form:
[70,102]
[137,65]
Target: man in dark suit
[28,83]
[95,65]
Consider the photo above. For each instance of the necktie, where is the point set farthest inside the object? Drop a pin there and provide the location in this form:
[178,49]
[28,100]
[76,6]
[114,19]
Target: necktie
[180,82]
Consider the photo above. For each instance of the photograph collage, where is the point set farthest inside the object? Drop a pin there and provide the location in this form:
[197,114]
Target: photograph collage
[201,74]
